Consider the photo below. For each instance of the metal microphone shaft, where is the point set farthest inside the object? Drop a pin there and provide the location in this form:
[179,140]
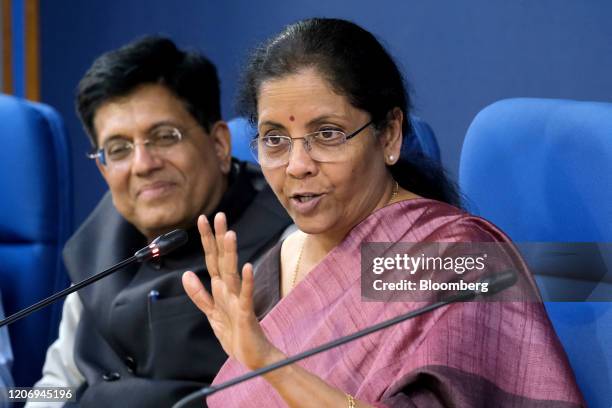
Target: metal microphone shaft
[160,246]
[324,347]
[497,283]
[39,305]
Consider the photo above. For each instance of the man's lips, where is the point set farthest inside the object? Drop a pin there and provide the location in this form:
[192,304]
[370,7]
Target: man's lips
[154,189]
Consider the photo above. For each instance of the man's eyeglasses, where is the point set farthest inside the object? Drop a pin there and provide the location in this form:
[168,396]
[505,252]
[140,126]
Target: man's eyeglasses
[119,150]
[323,146]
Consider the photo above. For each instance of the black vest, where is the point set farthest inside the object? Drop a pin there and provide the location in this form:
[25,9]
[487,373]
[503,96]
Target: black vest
[140,341]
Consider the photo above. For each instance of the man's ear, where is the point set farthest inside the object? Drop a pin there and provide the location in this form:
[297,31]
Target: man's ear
[391,139]
[94,147]
[222,144]
[102,169]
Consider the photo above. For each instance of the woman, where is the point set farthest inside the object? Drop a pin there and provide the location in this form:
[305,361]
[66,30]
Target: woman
[331,110]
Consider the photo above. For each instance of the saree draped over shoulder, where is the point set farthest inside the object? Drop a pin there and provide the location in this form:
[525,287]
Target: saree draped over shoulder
[470,354]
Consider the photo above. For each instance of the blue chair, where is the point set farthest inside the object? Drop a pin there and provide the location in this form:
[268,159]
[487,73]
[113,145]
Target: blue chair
[425,142]
[541,170]
[242,132]
[35,221]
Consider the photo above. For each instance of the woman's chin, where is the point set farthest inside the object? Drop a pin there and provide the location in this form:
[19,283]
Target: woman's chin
[311,225]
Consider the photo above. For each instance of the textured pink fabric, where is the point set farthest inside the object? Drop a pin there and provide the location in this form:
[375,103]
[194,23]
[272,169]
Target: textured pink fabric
[472,353]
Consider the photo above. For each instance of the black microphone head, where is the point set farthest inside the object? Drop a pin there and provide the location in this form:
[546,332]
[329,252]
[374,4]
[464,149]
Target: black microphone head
[499,281]
[170,241]
[488,285]
[162,245]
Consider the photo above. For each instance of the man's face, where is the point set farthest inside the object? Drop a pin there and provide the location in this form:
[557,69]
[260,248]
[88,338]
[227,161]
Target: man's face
[158,190]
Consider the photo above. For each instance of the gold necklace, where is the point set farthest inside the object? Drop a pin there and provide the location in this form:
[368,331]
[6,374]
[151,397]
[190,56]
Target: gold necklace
[395,191]
[297,265]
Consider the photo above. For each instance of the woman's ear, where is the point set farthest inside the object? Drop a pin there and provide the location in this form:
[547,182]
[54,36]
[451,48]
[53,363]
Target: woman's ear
[223,146]
[392,137]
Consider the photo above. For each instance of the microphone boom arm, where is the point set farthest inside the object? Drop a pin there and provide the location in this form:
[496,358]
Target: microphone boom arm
[39,305]
[160,246]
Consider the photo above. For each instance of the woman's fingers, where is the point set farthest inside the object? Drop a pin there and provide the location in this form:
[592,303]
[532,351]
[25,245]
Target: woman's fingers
[246,291]
[229,264]
[221,255]
[220,230]
[209,245]
[198,293]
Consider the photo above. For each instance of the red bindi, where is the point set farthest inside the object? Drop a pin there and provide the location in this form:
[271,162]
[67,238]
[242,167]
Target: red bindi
[291,118]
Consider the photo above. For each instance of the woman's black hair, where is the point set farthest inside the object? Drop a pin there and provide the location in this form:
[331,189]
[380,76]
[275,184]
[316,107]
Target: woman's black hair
[357,66]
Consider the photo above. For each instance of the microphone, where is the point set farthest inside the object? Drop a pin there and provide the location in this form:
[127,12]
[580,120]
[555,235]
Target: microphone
[161,245]
[496,283]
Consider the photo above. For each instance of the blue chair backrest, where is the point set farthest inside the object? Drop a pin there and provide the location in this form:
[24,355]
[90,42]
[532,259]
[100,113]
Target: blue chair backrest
[424,141]
[542,170]
[242,132]
[35,221]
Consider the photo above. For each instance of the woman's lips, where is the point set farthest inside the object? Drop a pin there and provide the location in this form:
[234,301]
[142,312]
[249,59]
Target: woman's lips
[305,203]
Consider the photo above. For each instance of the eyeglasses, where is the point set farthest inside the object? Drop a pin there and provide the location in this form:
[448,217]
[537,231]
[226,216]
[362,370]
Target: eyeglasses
[322,146]
[119,150]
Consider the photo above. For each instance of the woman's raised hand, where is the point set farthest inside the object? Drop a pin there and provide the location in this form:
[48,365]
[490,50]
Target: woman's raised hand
[230,308]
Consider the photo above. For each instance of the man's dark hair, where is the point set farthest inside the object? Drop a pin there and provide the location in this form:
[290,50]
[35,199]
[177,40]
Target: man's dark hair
[150,60]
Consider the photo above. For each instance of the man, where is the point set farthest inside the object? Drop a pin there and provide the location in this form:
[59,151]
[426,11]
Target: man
[134,338]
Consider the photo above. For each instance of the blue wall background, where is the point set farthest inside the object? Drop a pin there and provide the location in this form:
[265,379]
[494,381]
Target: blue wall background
[459,56]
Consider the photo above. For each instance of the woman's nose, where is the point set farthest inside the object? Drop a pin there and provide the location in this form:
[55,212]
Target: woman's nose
[300,163]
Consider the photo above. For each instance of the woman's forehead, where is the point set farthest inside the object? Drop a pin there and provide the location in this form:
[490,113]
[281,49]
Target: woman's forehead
[303,95]
[300,84]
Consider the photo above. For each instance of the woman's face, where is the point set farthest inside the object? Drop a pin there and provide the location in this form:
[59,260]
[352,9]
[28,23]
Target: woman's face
[325,197]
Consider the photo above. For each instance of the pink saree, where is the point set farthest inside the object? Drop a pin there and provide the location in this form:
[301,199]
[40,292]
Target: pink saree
[472,354]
